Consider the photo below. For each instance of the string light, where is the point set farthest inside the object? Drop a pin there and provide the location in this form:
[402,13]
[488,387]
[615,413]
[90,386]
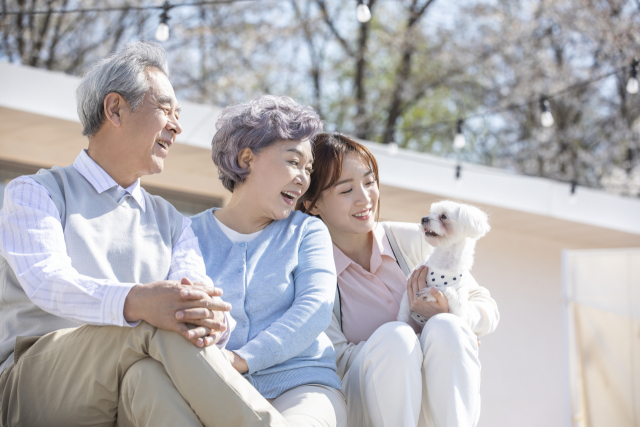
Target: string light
[364,15]
[512,107]
[632,84]
[459,141]
[162,33]
[362,12]
[120,8]
[546,118]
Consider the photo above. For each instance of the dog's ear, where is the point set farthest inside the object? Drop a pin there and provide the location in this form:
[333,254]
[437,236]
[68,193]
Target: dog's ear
[474,221]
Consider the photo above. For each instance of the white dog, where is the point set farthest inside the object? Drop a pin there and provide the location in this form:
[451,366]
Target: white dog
[452,229]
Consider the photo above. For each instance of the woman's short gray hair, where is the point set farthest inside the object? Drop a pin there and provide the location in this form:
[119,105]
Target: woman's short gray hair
[257,125]
[123,72]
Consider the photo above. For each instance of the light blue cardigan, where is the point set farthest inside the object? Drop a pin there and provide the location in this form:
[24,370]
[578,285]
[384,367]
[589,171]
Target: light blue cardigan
[281,286]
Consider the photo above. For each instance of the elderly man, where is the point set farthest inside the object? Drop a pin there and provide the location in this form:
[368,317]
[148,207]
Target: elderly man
[86,245]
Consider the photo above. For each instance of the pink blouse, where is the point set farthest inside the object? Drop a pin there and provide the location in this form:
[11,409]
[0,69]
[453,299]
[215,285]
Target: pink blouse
[370,299]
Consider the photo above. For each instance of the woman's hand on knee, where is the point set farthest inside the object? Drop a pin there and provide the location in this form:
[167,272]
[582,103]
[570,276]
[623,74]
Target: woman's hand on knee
[238,363]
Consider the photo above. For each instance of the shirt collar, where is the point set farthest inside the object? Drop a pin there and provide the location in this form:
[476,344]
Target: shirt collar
[340,259]
[101,180]
[380,238]
[379,249]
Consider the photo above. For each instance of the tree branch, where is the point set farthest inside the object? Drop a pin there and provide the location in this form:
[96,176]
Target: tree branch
[37,46]
[316,57]
[395,109]
[325,14]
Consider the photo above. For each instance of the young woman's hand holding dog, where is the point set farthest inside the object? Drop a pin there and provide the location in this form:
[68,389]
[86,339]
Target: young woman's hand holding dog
[415,284]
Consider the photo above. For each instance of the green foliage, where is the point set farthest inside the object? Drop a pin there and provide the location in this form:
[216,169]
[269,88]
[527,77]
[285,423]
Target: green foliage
[423,64]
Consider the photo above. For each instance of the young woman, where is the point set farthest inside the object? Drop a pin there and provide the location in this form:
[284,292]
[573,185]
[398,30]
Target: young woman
[390,375]
[274,265]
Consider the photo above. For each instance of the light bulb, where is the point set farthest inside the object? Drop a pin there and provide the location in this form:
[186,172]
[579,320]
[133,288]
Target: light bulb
[545,113]
[392,148]
[162,33]
[363,13]
[547,119]
[632,84]
[459,141]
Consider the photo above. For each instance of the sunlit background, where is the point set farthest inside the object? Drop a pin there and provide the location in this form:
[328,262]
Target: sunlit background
[527,108]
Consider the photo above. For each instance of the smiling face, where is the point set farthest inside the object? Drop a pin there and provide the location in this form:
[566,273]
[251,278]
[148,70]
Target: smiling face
[279,175]
[350,205]
[148,133]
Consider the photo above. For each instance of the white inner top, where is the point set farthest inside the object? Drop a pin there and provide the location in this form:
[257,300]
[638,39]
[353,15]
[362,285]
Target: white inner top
[234,236]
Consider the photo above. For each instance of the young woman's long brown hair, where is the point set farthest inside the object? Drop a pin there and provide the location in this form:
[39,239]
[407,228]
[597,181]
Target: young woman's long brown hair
[329,150]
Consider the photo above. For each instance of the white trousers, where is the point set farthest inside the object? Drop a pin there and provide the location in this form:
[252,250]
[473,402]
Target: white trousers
[312,406]
[398,380]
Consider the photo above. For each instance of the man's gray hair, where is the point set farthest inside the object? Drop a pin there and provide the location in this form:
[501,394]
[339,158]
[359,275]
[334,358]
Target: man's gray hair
[123,72]
[257,125]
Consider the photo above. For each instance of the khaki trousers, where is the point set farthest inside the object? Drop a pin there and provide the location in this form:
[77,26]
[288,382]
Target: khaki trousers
[142,376]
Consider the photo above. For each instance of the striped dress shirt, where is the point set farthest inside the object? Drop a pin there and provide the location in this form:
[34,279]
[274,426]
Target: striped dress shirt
[32,242]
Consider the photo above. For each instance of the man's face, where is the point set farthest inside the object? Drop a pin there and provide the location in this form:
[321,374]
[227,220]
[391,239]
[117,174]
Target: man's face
[149,132]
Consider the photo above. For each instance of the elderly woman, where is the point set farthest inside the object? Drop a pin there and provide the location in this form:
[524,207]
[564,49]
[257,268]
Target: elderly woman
[275,265]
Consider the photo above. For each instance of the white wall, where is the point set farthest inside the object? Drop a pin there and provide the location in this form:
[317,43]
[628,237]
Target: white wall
[524,373]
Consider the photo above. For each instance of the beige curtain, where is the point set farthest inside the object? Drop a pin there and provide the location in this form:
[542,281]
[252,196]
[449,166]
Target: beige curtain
[602,296]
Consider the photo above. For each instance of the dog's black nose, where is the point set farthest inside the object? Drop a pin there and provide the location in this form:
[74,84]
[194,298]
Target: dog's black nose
[425,220]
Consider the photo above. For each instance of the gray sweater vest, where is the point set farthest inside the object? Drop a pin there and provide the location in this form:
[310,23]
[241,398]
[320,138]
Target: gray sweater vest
[105,239]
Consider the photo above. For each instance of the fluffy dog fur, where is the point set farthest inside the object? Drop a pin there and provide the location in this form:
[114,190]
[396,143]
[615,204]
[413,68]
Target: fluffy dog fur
[452,229]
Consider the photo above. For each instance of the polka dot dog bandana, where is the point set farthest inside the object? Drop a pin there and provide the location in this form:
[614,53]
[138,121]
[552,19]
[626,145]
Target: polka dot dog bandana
[441,282]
